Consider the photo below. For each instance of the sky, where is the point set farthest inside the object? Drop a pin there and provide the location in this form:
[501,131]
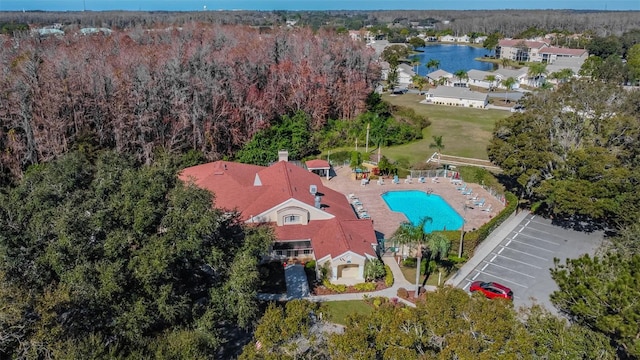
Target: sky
[199,5]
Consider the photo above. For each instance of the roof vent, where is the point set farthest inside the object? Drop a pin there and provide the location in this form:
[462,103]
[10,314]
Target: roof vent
[317,202]
[313,189]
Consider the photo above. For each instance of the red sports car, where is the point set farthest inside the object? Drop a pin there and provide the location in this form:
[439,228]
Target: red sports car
[492,290]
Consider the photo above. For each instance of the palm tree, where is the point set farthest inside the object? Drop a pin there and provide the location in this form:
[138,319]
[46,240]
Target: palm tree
[461,74]
[492,80]
[508,83]
[438,247]
[505,62]
[562,76]
[419,81]
[433,64]
[536,71]
[410,235]
[415,63]
[438,145]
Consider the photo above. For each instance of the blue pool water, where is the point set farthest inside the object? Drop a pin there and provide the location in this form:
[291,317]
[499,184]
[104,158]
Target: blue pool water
[417,204]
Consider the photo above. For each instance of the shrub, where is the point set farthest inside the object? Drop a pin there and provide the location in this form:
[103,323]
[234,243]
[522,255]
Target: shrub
[403,293]
[339,288]
[388,278]
[373,269]
[311,265]
[366,286]
[377,302]
[409,262]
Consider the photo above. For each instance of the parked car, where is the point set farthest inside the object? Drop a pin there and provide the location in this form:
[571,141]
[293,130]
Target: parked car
[492,290]
[400,91]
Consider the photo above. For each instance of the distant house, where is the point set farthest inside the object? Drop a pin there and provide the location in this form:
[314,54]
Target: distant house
[535,51]
[311,221]
[479,40]
[520,50]
[384,69]
[552,54]
[520,75]
[479,78]
[440,77]
[405,75]
[457,96]
[448,38]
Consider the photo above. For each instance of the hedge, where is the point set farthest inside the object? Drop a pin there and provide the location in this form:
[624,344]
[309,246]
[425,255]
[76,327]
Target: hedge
[473,238]
[339,288]
[388,278]
[366,286]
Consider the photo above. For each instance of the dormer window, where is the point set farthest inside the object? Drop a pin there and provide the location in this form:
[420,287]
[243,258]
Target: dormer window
[291,219]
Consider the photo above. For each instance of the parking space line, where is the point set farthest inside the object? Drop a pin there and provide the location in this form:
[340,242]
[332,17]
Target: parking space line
[518,261]
[508,242]
[535,247]
[500,252]
[516,235]
[475,276]
[548,234]
[540,239]
[527,224]
[494,257]
[505,280]
[522,252]
[485,266]
[515,271]
[466,286]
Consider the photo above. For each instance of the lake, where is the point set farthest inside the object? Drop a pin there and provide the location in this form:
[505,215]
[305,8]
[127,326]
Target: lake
[452,58]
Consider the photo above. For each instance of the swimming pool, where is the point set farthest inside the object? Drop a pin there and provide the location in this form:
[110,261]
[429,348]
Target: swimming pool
[417,204]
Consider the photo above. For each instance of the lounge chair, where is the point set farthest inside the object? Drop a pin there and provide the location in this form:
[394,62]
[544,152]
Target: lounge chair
[456,181]
[421,179]
[396,180]
[468,191]
[356,202]
[435,180]
[352,196]
[380,181]
[487,209]
[474,197]
[479,202]
[462,188]
[408,180]
[365,215]
[360,208]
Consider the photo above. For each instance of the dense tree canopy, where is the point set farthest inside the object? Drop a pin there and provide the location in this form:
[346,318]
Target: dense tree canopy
[574,152]
[602,292]
[102,259]
[450,324]
[200,87]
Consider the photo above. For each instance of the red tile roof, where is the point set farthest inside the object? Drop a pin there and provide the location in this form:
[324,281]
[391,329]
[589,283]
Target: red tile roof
[563,51]
[253,189]
[333,237]
[317,164]
[529,43]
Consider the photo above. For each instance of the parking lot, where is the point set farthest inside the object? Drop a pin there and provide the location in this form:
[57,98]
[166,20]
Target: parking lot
[522,259]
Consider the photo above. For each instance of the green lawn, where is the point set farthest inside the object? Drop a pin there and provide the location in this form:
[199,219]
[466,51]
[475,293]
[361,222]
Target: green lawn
[337,311]
[465,131]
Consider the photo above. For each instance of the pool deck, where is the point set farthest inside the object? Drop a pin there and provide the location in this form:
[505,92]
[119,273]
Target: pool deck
[385,221]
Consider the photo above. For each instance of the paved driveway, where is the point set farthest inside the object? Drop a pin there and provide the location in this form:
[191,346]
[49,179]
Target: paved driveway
[523,257]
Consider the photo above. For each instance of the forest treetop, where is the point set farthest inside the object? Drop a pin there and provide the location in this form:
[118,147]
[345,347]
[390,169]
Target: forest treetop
[507,22]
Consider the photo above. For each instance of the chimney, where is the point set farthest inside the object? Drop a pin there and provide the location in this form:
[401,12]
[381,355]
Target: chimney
[283,155]
[317,202]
